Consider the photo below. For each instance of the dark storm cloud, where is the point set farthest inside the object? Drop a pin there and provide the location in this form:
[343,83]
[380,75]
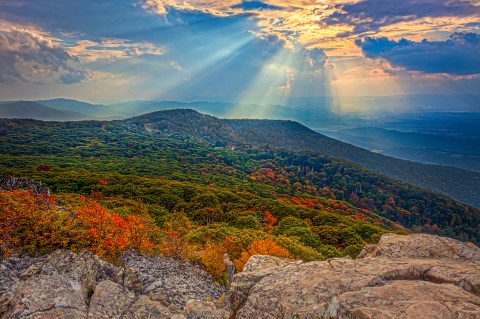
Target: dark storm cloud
[459,55]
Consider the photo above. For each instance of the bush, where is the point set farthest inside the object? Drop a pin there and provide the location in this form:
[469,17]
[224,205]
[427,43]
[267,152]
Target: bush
[297,249]
[353,250]
[248,221]
[289,222]
[260,247]
[212,259]
[305,235]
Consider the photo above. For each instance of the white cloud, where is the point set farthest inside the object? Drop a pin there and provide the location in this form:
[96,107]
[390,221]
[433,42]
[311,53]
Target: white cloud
[175,65]
[111,49]
[30,55]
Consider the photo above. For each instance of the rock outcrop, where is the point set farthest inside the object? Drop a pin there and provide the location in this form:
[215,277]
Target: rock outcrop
[416,276]
[172,282]
[69,285]
[10,183]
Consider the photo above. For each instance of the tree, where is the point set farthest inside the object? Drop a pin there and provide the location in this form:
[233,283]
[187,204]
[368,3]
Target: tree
[261,247]
[289,222]
[248,221]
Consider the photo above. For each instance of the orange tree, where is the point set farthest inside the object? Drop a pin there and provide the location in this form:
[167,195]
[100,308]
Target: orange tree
[261,247]
[35,224]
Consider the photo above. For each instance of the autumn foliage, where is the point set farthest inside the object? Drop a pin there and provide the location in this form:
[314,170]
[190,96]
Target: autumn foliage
[212,259]
[269,221]
[173,241]
[35,224]
[27,221]
[108,234]
[260,247]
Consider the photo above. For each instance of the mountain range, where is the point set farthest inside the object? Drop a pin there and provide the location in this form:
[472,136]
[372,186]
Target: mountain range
[456,150]
[462,152]
[460,184]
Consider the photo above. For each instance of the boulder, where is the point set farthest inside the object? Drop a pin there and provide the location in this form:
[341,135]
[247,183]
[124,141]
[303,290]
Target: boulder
[197,309]
[415,276]
[401,277]
[172,282]
[145,308]
[408,299]
[109,300]
[260,263]
[46,296]
[421,246]
[68,285]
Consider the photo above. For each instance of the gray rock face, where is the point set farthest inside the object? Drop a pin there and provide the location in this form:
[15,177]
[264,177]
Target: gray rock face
[67,285]
[406,277]
[11,270]
[172,282]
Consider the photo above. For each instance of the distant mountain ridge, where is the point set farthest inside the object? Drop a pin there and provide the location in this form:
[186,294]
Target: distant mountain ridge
[460,184]
[454,151]
[34,110]
[90,110]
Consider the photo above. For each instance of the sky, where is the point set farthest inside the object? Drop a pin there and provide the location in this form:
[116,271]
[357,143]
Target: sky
[105,51]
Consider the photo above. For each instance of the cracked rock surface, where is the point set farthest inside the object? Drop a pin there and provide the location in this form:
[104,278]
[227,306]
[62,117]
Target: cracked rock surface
[69,285]
[416,276]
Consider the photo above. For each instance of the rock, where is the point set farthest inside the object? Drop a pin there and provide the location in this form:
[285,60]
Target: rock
[172,282]
[261,262]
[410,278]
[259,267]
[230,268]
[109,300]
[68,285]
[421,246]
[86,267]
[196,309]
[44,295]
[409,299]
[12,269]
[145,308]
[10,183]
[402,277]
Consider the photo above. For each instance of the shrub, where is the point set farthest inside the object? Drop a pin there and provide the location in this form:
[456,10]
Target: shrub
[248,221]
[289,222]
[353,250]
[212,259]
[261,247]
[298,250]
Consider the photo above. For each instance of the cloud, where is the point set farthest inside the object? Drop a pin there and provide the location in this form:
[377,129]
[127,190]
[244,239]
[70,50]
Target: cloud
[371,15]
[112,49]
[289,80]
[176,66]
[29,56]
[214,7]
[317,58]
[255,5]
[458,55]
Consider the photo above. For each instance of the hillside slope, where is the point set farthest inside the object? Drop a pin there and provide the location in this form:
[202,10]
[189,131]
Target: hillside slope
[34,110]
[460,184]
[453,151]
[68,156]
[92,110]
